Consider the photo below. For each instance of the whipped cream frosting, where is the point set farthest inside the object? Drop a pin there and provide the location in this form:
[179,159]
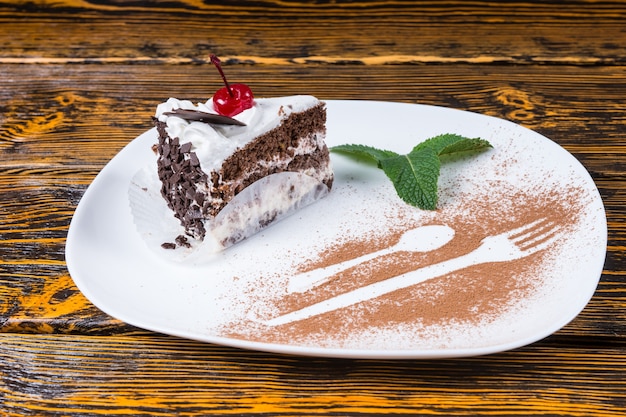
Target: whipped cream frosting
[214,143]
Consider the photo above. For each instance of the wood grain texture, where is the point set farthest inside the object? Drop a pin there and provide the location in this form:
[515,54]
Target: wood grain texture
[296,32]
[80,79]
[162,376]
[51,153]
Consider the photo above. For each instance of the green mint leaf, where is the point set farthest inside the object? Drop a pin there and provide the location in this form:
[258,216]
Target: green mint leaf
[363,151]
[415,175]
[465,145]
[450,143]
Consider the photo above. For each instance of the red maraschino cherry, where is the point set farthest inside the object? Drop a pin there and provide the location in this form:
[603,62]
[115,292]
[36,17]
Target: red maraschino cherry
[231,99]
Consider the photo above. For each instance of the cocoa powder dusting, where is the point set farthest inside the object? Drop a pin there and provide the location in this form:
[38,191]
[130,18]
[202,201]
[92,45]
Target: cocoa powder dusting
[471,295]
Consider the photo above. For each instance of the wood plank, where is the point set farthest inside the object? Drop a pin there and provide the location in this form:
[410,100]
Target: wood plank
[158,375]
[47,109]
[273,32]
[59,127]
[81,79]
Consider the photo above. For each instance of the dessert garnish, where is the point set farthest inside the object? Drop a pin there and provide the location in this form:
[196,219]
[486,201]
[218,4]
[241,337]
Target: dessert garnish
[231,100]
[225,183]
[415,175]
[201,116]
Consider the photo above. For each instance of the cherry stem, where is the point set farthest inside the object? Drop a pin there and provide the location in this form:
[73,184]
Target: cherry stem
[216,61]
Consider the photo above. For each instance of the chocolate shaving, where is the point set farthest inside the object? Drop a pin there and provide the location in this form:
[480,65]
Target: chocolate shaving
[200,116]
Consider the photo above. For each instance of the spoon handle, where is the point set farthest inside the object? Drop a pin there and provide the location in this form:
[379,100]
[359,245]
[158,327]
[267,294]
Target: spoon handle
[311,279]
[384,287]
[434,235]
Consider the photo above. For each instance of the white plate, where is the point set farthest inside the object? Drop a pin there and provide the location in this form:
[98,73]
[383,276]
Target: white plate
[232,298]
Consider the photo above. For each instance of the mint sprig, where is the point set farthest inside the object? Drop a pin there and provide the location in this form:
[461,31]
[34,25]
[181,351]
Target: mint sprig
[415,175]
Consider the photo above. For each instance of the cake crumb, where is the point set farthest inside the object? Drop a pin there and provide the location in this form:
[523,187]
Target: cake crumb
[182,241]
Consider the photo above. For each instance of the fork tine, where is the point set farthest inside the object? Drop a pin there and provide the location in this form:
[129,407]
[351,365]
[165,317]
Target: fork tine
[525,229]
[533,230]
[541,242]
[536,233]
[534,236]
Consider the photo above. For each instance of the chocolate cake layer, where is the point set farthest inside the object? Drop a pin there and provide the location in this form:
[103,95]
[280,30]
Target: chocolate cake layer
[194,195]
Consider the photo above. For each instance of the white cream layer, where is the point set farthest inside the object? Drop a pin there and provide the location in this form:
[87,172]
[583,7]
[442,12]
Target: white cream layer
[214,143]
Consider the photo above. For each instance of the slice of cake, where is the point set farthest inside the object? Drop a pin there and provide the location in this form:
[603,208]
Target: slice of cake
[208,163]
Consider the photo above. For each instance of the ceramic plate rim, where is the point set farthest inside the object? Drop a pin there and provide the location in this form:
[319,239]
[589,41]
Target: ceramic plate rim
[79,274]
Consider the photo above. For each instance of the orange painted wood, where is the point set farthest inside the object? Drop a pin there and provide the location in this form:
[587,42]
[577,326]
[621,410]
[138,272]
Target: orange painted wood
[163,376]
[300,32]
[79,80]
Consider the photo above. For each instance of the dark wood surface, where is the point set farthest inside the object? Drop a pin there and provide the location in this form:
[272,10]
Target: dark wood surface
[79,80]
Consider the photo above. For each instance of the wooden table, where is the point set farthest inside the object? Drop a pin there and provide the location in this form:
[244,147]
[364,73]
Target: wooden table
[79,80]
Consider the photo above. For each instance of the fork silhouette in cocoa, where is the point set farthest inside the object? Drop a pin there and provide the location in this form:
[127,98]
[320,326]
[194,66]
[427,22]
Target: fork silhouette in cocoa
[508,246]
